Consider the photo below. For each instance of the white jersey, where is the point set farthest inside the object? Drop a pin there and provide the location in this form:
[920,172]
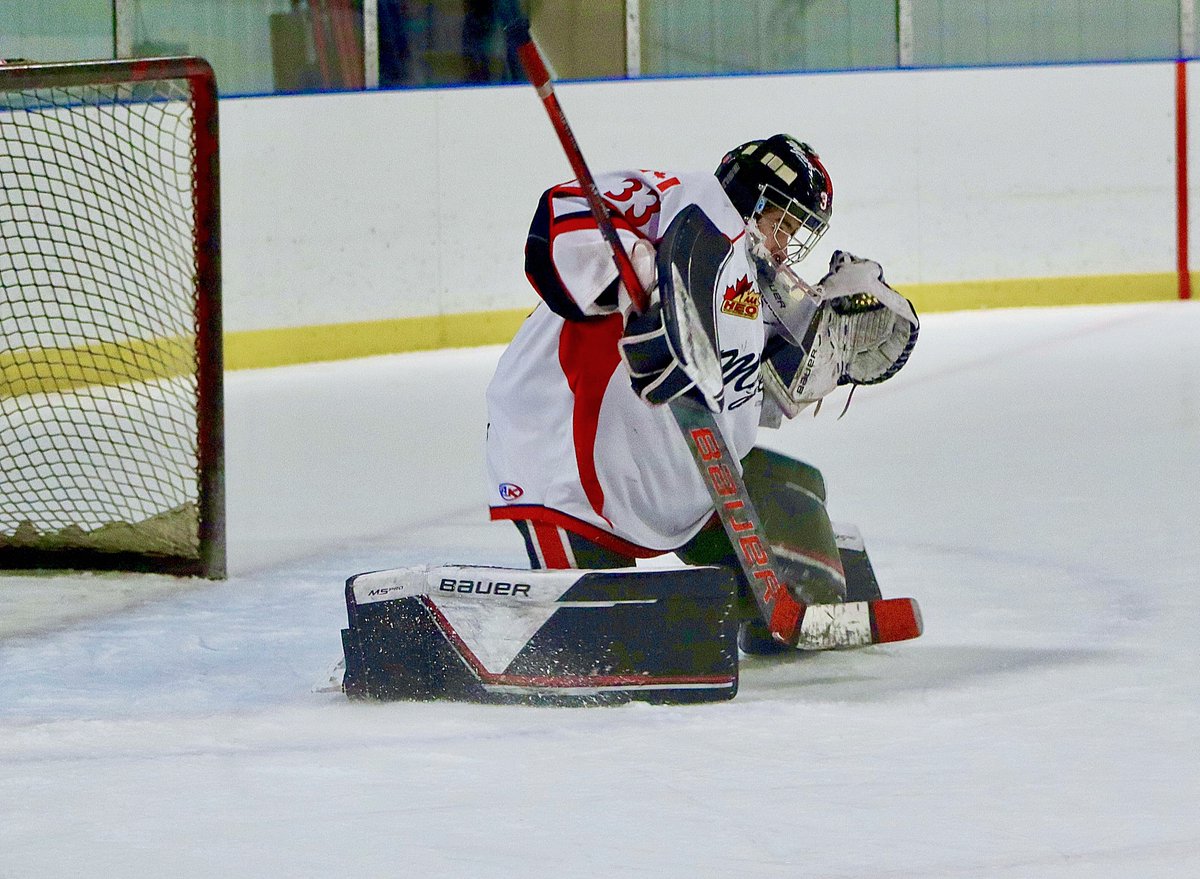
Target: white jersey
[569,442]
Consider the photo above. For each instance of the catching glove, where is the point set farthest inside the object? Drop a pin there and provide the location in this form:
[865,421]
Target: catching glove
[878,327]
[862,333]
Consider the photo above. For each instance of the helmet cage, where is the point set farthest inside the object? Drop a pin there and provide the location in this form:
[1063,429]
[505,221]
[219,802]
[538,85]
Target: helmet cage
[797,224]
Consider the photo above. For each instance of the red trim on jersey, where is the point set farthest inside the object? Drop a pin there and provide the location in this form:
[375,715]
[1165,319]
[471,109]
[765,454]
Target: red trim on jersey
[550,544]
[576,222]
[588,355]
[536,514]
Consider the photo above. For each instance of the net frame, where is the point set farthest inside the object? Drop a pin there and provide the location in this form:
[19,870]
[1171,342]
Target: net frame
[209,560]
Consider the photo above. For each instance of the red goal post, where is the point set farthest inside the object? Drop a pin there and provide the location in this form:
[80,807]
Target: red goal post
[111,399]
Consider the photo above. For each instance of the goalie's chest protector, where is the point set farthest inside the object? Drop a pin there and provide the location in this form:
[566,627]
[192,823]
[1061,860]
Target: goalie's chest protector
[570,443]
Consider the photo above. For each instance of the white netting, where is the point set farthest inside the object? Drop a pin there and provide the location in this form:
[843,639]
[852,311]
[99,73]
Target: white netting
[98,371]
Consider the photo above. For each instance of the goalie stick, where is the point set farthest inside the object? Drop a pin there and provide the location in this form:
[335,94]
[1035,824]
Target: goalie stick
[791,621]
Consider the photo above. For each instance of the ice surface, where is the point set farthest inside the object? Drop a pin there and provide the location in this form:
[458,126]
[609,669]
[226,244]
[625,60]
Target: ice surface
[1031,477]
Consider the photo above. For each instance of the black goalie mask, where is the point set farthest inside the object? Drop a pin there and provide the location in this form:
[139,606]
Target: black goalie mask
[783,179]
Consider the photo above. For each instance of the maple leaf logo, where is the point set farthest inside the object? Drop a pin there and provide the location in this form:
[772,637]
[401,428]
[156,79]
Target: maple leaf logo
[741,299]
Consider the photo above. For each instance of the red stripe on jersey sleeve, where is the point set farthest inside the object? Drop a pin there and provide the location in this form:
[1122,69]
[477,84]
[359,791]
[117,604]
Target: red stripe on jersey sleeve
[576,222]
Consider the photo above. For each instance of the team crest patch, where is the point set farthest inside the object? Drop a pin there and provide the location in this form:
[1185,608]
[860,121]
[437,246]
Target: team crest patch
[741,299]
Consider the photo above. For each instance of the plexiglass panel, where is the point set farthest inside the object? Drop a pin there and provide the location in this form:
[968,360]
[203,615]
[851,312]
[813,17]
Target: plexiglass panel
[65,30]
[953,32]
[712,36]
[242,40]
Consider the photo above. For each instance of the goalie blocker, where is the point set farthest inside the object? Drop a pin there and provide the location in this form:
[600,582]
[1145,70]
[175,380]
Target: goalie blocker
[496,635]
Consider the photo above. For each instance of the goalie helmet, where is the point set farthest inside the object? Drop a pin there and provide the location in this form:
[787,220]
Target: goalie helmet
[783,173]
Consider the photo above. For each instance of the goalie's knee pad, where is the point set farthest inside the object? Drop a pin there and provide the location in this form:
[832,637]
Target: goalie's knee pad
[770,472]
[790,498]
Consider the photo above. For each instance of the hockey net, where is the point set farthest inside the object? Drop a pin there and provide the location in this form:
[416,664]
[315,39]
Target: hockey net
[111,437]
